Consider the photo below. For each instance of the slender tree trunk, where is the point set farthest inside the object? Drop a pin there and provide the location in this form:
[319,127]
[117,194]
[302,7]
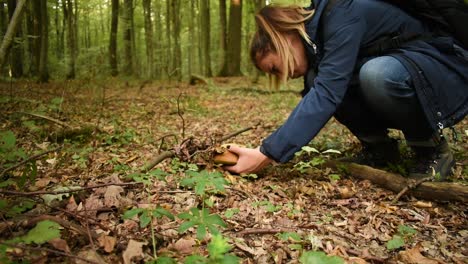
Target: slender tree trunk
[75,27]
[113,37]
[223,31]
[158,43]
[149,37]
[205,35]
[190,46]
[71,42]
[11,31]
[3,19]
[169,42]
[43,69]
[177,63]
[232,60]
[16,57]
[128,9]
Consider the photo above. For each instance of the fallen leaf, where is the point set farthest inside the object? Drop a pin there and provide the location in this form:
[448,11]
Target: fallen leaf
[356,260]
[414,256]
[184,246]
[90,255]
[134,249]
[112,196]
[107,242]
[59,244]
[422,204]
[71,205]
[42,182]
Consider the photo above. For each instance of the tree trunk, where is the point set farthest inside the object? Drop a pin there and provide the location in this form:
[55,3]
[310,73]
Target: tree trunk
[158,45]
[58,43]
[168,37]
[232,60]
[190,46]
[205,36]
[11,31]
[36,39]
[43,70]
[128,32]
[71,42]
[113,37]
[223,31]
[177,63]
[149,38]
[16,57]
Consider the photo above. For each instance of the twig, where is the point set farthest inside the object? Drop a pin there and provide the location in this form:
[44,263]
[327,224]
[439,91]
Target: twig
[61,253]
[48,118]
[263,231]
[35,157]
[64,223]
[246,194]
[411,186]
[180,115]
[238,132]
[69,191]
[165,155]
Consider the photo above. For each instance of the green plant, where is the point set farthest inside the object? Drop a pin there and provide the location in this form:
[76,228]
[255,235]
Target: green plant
[403,235]
[148,177]
[43,232]
[269,206]
[292,237]
[231,212]
[204,181]
[202,219]
[309,257]
[146,215]
[217,253]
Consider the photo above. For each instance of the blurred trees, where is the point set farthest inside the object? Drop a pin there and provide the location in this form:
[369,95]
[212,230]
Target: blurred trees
[150,39]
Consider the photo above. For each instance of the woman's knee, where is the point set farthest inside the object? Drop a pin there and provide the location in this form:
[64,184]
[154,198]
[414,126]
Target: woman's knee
[385,76]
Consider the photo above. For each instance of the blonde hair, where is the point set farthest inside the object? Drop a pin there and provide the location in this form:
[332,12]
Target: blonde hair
[274,22]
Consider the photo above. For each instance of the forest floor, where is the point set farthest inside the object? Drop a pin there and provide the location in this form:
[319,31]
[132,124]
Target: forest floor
[89,202]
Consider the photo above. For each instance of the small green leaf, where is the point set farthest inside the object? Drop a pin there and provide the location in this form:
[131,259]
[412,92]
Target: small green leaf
[185,226]
[195,259]
[132,213]
[218,246]
[201,232]
[295,246]
[42,232]
[406,230]
[334,151]
[396,242]
[165,260]
[231,212]
[310,149]
[215,219]
[7,141]
[312,257]
[160,212]
[145,219]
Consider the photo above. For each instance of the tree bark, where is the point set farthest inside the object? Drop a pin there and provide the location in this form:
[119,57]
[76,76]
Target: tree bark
[149,38]
[441,191]
[169,42]
[16,58]
[223,31]
[205,36]
[43,69]
[113,37]
[128,33]
[232,60]
[11,31]
[177,63]
[71,42]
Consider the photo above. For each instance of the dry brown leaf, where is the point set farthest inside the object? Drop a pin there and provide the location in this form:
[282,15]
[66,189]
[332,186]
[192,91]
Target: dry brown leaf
[107,242]
[356,260]
[134,249]
[184,246]
[59,244]
[71,205]
[422,204]
[414,256]
[90,255]
[42,182]
[112,196]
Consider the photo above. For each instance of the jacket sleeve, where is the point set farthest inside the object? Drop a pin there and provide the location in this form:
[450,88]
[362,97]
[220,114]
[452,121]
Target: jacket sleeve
[342,35]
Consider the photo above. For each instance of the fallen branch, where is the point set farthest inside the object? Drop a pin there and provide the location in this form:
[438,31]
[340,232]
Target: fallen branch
[69,191]
[53,120]
[411,186]
[34,157]
[442,191]
[171,153]
[42,249]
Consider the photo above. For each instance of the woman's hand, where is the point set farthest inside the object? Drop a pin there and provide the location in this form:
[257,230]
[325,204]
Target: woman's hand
[250,160]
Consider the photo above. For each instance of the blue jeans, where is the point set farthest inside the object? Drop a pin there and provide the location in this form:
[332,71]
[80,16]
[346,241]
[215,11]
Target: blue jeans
[384,97]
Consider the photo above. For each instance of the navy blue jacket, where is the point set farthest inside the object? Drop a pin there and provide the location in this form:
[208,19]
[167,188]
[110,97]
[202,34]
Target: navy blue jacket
[438,70]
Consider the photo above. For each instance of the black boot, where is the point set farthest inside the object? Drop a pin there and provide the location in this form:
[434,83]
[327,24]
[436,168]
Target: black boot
[377,153]
[436,160]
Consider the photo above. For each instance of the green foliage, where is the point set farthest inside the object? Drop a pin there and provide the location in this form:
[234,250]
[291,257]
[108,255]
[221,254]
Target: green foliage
[404,234]
[40,234]
[218,250]
[204,182]
[181,166]
[231,212]
[202,219]
[318,257]
[287,236]
[269,206]
[149,177]
[14,208]
[146,215]
[10,155]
